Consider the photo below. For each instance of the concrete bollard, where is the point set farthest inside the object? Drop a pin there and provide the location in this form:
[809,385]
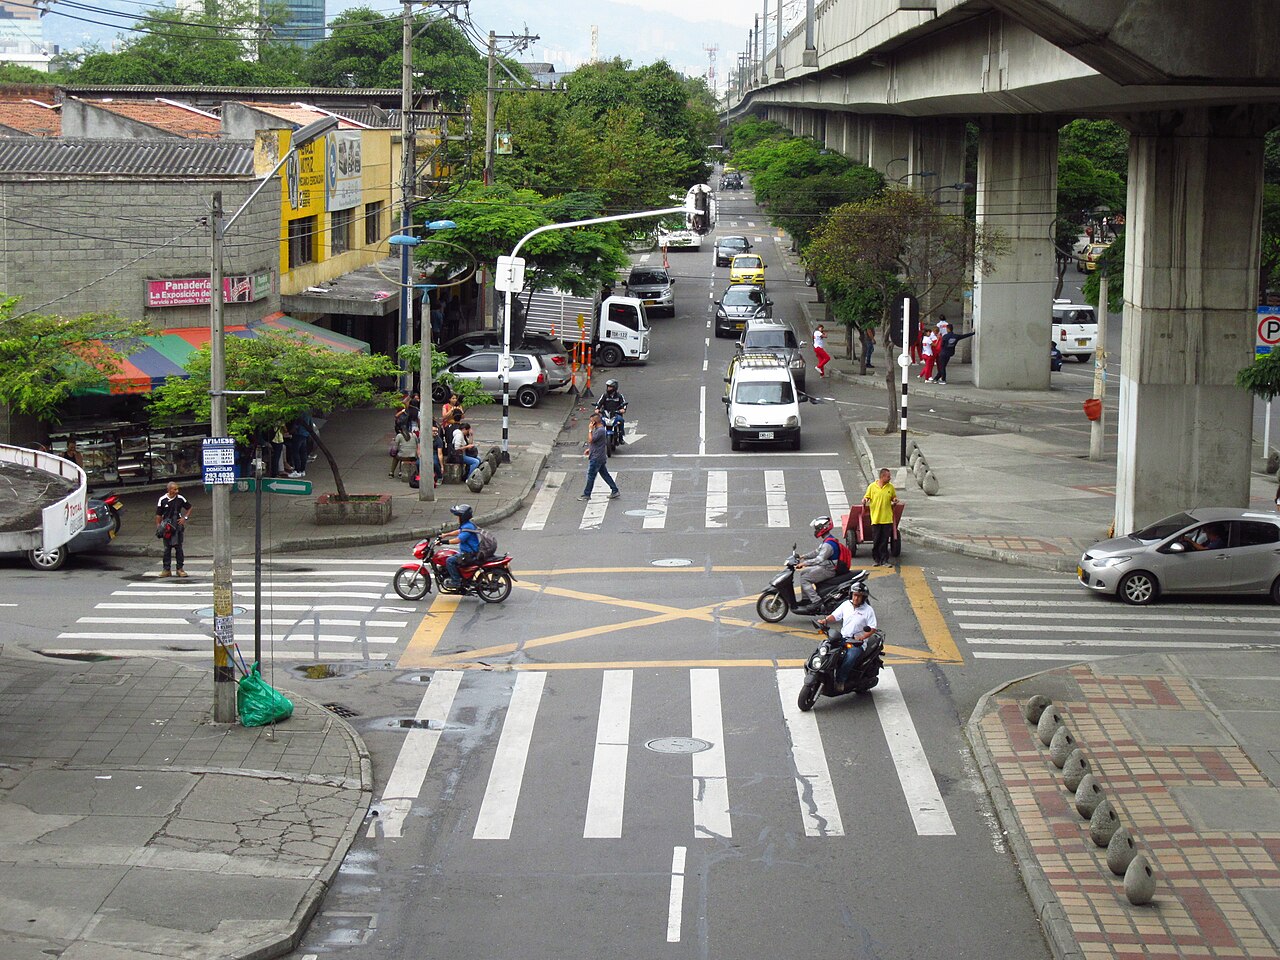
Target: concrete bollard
[930,484]
[1061,746]
[919,470]
[1088,796]
[1035,706]
[1073,771]
[1139,881]
[492,458]
[1048,725]
[1104,823]
[486,471]
[1121,851]
[475,482]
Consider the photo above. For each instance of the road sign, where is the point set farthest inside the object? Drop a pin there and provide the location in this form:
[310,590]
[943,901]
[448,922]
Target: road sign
[298,488]
[508,277]
[218,460]
[1268,330]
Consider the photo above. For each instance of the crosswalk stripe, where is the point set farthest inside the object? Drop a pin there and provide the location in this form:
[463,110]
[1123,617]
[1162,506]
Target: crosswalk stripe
[1160,642]
[419,747]
[498,809]
[1064,591]
[1100,628]
[710,778]
[818,806]
[775,498]
[717,498]
[837,502]
[171,654]
[1073,657]
[659,494]
[609,768]
[597,507]
[924,800]
[543,501]
[997,581]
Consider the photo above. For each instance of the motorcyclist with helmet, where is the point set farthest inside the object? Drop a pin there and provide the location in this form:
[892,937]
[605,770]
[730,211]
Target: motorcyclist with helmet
[857,624]
[613,404]
[820,564]
[467,537]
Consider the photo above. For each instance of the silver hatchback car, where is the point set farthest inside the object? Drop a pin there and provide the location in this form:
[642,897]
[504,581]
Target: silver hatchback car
[1206,550]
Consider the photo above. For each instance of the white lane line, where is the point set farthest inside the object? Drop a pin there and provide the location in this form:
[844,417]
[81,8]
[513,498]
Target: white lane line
[837,502]
[924,800]
[819,808]
[595,509]
[300,633]
[1074,658]
[498,810]
[676,903]
[1106,616]
[1038,592]
[1075,628]
[275,607]
[775,498]
[1006,580]
[710,778]
[542,503]
[659,494]
[609,768]
[758,455]
[202,653]
[1155,641]
[702,420]
[267,594]
[717,498]
[410,770]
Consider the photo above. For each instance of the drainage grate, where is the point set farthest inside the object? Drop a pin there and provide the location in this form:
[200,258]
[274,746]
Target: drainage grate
[413,723]
[677,745]
[338,710]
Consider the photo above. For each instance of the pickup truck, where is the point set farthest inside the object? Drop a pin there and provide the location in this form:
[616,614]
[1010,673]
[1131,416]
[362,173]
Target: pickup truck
[1075,329]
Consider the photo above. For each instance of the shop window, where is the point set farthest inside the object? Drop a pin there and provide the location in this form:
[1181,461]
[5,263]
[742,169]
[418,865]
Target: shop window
[340,232]
[302,241]
[373,222]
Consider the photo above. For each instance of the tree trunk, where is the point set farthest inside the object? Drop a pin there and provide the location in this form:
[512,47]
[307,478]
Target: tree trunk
[333,465]
[892,388]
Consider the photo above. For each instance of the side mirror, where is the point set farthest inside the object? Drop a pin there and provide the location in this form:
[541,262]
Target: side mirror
[768,303]
[671,280]
[802,397]
[725,398]
[1177,547]
[804,343]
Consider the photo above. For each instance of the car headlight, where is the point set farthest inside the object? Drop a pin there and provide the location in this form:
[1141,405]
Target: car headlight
[720,314]
[793,422]
[740,421]
[1111,561]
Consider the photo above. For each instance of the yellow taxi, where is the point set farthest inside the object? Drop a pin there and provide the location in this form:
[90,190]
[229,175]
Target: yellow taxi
[1087,262]
[747,268]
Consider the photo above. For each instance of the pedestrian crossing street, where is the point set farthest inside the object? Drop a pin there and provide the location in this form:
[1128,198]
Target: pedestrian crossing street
[1054,618]
[312,608]
[689,497]
[613,749]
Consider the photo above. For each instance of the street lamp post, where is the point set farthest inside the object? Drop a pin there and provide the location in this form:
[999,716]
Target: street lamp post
[224,685]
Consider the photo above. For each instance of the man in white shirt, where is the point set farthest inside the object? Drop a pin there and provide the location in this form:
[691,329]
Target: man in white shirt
[857,624]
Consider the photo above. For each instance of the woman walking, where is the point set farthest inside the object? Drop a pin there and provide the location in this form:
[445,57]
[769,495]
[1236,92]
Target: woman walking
[820,349]
[928,349]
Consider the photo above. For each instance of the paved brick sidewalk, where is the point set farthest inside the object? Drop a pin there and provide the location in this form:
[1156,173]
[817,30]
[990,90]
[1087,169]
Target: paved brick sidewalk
[1168,758]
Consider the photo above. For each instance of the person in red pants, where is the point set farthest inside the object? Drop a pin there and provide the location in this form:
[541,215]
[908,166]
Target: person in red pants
[929,351]
[820,349]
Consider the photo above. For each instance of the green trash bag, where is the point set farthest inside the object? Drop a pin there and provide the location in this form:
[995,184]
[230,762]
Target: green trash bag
[259,703]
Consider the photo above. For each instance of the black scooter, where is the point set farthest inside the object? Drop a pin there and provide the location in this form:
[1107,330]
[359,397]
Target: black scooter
[822,670]
[780,597]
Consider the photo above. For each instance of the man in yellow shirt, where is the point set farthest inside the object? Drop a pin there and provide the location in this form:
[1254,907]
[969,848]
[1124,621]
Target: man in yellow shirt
[878,501]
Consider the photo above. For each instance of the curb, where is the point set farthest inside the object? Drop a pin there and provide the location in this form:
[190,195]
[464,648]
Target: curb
[1056,928]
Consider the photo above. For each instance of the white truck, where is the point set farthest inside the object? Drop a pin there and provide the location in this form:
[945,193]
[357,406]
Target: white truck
[616,327]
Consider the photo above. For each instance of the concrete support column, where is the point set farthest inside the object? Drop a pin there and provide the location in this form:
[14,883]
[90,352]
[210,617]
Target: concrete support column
[1190,290]
[939,148]
[1017,194]
[891,140]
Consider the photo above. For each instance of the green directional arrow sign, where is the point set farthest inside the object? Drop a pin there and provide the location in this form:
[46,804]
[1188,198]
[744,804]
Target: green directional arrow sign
[298,488]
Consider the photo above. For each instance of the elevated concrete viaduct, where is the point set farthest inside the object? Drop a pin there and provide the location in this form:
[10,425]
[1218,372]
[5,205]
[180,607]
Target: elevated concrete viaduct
[1197,85]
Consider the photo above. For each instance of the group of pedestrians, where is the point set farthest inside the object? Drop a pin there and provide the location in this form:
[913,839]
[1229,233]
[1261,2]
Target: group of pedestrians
[933,350]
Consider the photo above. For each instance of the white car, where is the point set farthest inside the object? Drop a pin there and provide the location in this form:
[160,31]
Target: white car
[762,402]
[680,240]
[1075,329]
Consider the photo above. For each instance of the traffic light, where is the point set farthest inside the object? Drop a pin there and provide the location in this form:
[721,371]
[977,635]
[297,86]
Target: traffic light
[699,220]
[913,322]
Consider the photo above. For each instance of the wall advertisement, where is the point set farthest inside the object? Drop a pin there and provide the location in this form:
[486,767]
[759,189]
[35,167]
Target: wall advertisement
[343,172]
[195,291]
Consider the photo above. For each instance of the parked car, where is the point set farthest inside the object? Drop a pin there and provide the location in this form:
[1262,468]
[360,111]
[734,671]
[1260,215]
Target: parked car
[769,335]
[552,351]
[1087,261]
[739,303]
[729,247]
[746,268]
[1075,329]
[101,524]
[655,286]
[528,376]
[1205,550]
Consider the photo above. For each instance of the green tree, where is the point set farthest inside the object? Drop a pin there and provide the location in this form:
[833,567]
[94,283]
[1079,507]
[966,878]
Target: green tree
[46,359]
[801,203]
[298,378]
[1083,186]
[898,241]
[1110,264]
[1262,377]
[1104,143]
[774,163]
[1269,267]
[753,130]
[16,73]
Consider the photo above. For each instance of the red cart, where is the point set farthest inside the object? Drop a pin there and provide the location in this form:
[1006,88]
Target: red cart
[857,529]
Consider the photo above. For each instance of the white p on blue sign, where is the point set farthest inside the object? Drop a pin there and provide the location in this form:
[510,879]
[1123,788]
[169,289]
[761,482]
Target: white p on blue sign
[218,460]
[1268,330]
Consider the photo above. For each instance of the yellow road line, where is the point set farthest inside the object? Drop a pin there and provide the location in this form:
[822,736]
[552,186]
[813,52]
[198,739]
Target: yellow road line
[932,624]
[449,663]
[420,651]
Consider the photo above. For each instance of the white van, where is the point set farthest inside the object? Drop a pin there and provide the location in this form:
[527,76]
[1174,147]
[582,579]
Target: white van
[762,402]
[1075,329]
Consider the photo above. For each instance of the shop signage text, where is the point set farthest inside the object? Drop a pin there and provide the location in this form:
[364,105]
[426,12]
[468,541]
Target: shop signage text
[195,291]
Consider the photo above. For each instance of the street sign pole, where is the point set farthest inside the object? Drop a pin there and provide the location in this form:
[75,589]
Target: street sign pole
[1097,429]
[258,466]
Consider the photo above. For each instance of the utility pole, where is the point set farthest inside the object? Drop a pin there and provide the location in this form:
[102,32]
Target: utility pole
[1097,429]
[490,107]
[408,168]
[224,674]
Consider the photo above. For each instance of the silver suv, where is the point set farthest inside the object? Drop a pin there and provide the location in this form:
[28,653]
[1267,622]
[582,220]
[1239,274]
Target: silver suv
[655,286]
[770,335]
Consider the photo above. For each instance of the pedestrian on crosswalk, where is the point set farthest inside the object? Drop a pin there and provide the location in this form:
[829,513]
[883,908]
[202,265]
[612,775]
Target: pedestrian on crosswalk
[172,511]
[597,454]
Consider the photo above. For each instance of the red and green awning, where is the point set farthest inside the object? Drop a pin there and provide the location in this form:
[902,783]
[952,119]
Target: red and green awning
[164,354]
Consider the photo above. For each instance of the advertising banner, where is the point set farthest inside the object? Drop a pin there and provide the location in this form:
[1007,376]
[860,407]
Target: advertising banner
[342,169]
[195,291]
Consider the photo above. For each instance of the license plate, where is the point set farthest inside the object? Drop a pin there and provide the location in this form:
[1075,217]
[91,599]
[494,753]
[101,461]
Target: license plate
[766,434]
[1079,573]
[650,303]
[1082,342]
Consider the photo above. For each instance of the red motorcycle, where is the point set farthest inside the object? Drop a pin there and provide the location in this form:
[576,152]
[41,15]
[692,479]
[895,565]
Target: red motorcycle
[490,580]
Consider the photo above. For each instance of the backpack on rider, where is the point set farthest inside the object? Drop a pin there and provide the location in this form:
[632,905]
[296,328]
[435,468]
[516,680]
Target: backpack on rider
[843,555]
[488,545]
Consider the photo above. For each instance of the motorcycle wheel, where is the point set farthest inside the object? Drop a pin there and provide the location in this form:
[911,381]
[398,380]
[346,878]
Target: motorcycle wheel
[771,607]
[809,694]
[411,584]
[492,586]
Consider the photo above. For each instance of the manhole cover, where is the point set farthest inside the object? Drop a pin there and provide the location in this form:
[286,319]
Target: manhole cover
[643,512]
[337,709]
[677,745]
[672,562]
[208,611]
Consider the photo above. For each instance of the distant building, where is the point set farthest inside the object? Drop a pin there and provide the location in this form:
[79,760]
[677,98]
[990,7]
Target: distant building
[304,25]
[22,39]
[544,74]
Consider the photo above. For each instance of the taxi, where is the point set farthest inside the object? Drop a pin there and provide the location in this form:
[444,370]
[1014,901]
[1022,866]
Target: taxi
[747,268]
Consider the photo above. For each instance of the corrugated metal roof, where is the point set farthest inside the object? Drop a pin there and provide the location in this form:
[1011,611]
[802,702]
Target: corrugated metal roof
[151,158]
[30,117]
[236,93]
[181,121]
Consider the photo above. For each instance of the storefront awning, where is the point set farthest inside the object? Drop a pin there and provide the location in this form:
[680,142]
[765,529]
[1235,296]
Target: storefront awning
[164,353]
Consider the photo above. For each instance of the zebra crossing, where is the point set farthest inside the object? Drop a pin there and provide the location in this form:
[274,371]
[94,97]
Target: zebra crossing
[1052,618]
[766,498]
[517,706]
[311,608]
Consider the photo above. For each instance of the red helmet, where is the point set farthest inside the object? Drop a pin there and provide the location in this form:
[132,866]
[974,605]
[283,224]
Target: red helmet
[821,526]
